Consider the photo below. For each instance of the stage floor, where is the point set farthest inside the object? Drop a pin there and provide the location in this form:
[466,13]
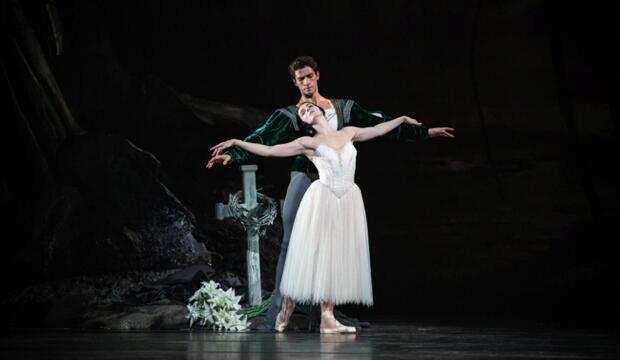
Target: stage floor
[382,341]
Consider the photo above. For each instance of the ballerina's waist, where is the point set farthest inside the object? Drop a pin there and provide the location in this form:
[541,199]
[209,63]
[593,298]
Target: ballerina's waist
[334,184]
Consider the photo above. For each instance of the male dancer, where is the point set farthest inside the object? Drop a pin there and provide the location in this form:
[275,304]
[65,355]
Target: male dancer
[283,126]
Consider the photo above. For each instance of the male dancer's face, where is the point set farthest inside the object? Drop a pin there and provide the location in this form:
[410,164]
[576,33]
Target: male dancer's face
[306,80]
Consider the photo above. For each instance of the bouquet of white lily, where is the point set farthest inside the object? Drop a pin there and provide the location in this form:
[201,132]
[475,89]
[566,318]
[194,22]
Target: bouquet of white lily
[212,306]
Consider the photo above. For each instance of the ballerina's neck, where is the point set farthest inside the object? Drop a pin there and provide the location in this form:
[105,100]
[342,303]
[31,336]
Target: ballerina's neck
[322,127]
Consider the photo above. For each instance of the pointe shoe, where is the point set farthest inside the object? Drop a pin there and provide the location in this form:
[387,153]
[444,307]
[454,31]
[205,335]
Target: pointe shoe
[280,324]
[340,329]
[283,316]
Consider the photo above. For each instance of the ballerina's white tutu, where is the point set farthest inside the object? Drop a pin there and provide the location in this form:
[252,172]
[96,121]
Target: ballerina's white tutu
[328,258]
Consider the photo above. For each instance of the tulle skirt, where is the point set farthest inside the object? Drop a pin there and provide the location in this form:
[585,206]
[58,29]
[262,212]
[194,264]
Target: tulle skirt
[328,258]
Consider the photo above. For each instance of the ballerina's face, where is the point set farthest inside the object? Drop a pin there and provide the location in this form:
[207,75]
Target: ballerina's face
[308,112]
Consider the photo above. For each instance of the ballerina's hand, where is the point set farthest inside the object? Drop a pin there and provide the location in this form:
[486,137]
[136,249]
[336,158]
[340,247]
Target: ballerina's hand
[217,149]
[441,131]
[412,121]
[218,159]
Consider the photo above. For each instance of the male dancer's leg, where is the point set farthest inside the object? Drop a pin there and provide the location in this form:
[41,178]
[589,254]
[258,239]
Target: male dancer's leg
[296,189]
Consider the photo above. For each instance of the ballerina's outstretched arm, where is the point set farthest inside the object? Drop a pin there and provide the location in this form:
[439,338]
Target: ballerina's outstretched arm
[367,133]
[298,146]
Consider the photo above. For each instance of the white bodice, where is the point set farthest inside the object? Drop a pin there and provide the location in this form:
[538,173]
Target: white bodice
[332,118]
[336,167]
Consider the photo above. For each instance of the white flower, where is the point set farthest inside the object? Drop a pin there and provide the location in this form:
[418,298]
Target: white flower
[217,308]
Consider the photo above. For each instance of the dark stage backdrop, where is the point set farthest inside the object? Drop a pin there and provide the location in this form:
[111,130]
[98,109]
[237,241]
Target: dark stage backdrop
[510,220]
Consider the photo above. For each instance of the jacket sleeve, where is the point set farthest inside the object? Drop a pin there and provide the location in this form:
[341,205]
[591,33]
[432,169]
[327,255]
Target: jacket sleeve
[405,132]
[278,128]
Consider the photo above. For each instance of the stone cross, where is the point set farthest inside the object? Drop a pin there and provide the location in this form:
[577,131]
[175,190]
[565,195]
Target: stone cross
[252,253]
[252,233]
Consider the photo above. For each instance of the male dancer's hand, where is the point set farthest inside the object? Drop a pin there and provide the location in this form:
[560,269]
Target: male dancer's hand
[218,159]
[441,131]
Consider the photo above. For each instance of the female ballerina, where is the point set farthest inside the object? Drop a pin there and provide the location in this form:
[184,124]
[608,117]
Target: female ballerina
[328,260]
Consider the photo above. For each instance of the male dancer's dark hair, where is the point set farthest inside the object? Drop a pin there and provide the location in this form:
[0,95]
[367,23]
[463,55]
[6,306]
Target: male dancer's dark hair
[300,63]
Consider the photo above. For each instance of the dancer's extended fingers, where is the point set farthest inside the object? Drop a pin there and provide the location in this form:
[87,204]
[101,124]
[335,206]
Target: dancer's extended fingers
[219,159]
[221,147]
[212,162]
[216,146]
[222,144]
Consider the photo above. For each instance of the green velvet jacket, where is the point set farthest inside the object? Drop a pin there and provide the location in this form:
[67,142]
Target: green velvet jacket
[284,126]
